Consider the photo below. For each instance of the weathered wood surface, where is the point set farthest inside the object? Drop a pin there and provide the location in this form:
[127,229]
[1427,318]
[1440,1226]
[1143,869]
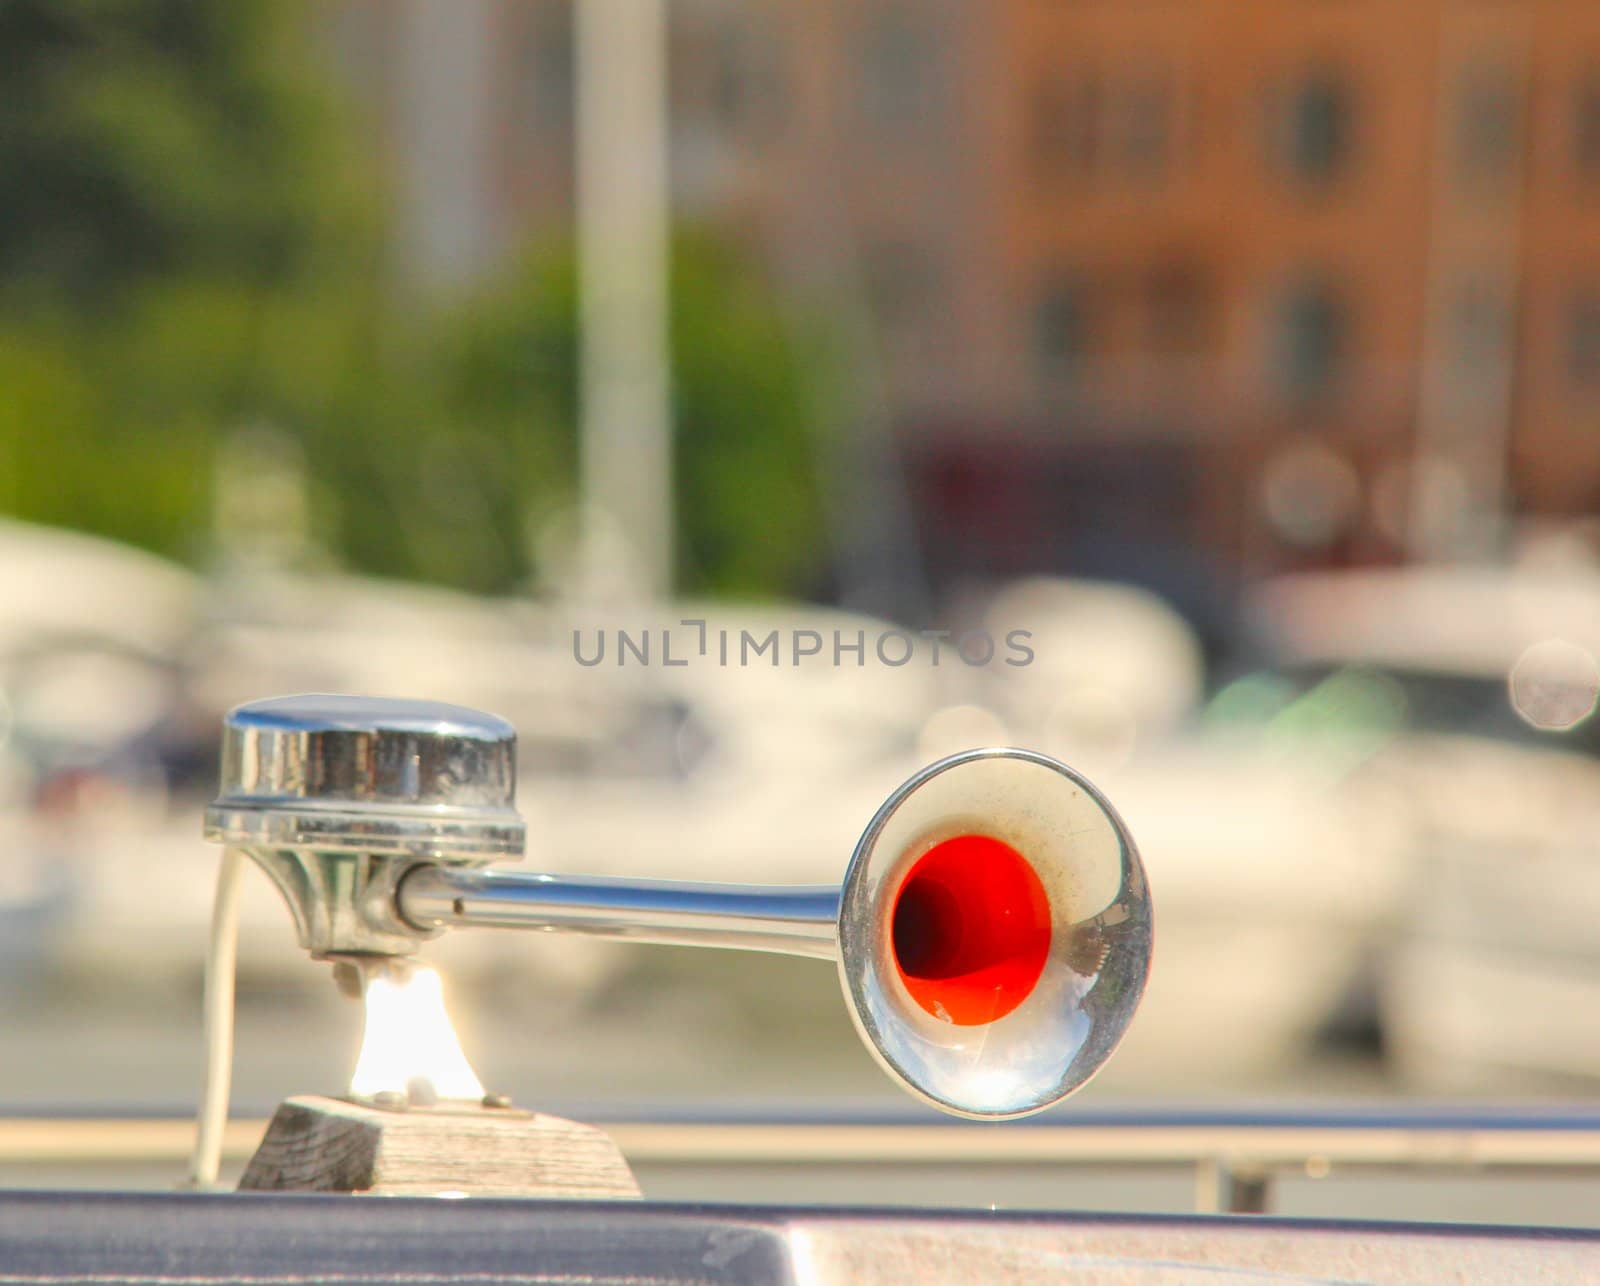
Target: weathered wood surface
[317,1144]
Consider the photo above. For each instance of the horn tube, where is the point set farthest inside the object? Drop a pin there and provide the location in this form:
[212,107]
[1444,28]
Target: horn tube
[797,921]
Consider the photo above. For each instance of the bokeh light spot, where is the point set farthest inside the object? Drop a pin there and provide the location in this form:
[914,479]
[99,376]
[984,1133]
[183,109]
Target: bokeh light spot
[1554,685]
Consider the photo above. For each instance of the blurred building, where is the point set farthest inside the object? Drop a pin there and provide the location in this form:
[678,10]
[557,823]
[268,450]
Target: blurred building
[1286,282]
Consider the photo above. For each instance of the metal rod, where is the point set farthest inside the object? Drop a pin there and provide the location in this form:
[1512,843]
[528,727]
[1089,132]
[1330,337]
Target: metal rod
[624,361]
[1562,1147]
[211,1117]
[792,920]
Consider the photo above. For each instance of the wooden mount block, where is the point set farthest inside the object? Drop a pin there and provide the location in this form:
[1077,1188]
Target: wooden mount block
[317,1144]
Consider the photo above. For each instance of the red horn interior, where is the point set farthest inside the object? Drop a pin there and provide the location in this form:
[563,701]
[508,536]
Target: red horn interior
[971,930]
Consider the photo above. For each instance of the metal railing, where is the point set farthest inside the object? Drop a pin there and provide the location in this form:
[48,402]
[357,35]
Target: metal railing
[1235,1156]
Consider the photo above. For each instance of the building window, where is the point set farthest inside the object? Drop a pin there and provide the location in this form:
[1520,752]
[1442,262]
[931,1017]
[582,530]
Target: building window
[726,74]
[1062,326]
[1586,128]
[747,79]
[1310,341]
[1583,340]
[1179,313]
[1479,335]
[1141,123]
[552,80]
[900,71]
[1311,128]
[902,288]
[1066,126]
[1090,124]
[1486,124]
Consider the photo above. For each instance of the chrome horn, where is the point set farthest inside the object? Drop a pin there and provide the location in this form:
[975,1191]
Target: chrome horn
[992,932]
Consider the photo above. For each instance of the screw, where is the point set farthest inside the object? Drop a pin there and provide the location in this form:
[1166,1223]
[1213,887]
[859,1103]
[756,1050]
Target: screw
[497,1100]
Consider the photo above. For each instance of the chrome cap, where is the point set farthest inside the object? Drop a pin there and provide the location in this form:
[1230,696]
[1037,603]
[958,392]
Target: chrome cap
[375,775]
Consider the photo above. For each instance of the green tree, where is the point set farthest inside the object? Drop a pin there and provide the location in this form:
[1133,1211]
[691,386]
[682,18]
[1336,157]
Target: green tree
[189,242]
[744,411]
[193,243]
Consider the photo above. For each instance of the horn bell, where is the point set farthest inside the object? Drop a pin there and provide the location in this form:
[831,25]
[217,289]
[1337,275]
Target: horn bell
[994,933]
